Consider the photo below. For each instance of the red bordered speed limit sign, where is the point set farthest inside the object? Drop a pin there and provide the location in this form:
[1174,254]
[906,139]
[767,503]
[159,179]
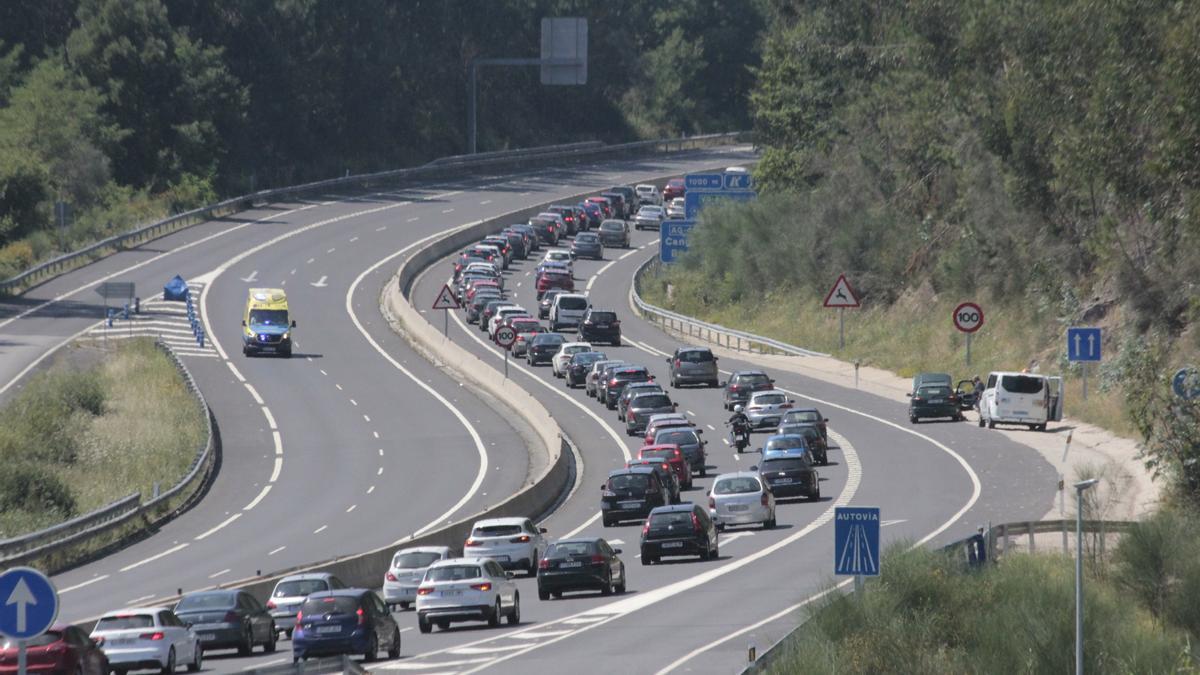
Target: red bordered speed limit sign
[968,317]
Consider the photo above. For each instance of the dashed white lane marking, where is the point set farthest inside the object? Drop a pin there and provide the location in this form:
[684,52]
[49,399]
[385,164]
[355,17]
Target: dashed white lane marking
[270,418]
[152,558]
[447,210]
[293,272]
[352,507]
[278,440]
[217,574]
[353,402]
[381,452]
[339,387]
[353,239]
[218,527]
[263,493]
[472,651]
[309,261]
[537,635]
[139,599]
[277,469]
[368,419]
[253,392]
[485,202]
[413,219]
[370,489]
[405,665]
[236,373]
[725,441]
[379,472]
[582,620]
[376,433]
[89,582]
[690,413]
[331,250]
[381,229]
[323,371]
[710,427]
[320,529]
[277,550]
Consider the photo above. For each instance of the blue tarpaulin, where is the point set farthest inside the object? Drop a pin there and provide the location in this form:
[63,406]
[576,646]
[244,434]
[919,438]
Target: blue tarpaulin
[176,289]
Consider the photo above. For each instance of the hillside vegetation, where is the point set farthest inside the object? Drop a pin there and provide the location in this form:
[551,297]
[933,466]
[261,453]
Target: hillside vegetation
[130,109]
[1040,157]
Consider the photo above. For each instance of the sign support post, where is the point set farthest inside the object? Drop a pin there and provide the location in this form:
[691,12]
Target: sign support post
[841,327]
[968,350]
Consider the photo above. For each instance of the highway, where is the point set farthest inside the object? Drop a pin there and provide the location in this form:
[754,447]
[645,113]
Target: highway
[358,441]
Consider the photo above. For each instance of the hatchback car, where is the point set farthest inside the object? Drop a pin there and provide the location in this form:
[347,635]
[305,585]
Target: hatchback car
[789,473]
[632,389]
[765,409]
[592,384]
[406,572]
[614,234]
[621,377]
[136,639]
[817,446]
[642,406]
[649,194]
[289,593]
[687,437]
[605,376]
[228,620]
[600,325]
[743,383]
[551,279]
[579,366]
[544,346]
[587,245]
[670,454]
[631,494]
[680,529]
[741,498]
[666,475]
[693,365]
[673,189]
[345,621]
[512,542]
[587,564]
[656,422]
[808,416]
[558,363]
[933,400]
[621,208]
[527,328]
[467,589]
[62,649]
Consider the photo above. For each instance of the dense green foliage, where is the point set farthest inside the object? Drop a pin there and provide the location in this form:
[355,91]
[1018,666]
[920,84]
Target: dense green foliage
[124,107]
[1041,154]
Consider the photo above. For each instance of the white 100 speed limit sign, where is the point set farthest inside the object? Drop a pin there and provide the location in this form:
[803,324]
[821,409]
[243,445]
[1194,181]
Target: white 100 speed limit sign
[968,317]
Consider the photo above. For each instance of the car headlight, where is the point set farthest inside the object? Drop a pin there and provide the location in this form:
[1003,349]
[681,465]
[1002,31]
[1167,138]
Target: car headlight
[285,336]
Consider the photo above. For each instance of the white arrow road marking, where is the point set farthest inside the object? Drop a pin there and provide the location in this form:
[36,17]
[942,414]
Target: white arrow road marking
[22,597]
[319,283]
[252,278]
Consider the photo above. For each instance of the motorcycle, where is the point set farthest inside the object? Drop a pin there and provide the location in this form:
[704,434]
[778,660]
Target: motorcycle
[739,436]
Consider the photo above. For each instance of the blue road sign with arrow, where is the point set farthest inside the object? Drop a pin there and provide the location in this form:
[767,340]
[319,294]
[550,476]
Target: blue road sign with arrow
[28,603]
[1083,344]
[856,540]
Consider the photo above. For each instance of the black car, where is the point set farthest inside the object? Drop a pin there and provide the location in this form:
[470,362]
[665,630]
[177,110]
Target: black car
[579,365]
[580,565]
[666,475]
[600,325]
[630,494]
[817,445]
[620,378]
[811,416]
[687,437]
[681,529]
[544,347]
[569,217]
[228,620]
[790,475]
[516,241]
[743,383]
[632,201]
[546,229]
[547,301]
[587,245]
[642,406]
[630,391]
[345,621]
[479,302]
[621,207]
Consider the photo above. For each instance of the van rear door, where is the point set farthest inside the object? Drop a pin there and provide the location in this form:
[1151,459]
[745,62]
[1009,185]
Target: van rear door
[1054,405]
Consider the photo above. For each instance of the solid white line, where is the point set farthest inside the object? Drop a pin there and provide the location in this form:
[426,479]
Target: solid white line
[626,255]
[89,582]
[153,558]
[223,523]
[263,493]
[270,418]
[217,574]
[277,469]
[44,356]
[267,663]
[253,392]
[582,526]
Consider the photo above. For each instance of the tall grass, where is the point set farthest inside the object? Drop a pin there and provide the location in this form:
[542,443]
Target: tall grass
[82,437]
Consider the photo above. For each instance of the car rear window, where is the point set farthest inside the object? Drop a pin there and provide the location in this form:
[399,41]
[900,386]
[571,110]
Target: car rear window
[934,391]
[663,453]
[671,518]
[586,238]
[454,572]
[568,549]
[676,437]
[549,339]
[754,378]
[526,326]
[629,481]
[803,416]
[415,559]
[291,589]
[612,226]
[652,401]
[806,430]
[573,303]
[737,486]
[206,601]
[785,442]
[603,317]
[785,464]
[496,531]
[125,621]
[696,357]
[770,399]
[330,604]
[587,358]
[1021,384]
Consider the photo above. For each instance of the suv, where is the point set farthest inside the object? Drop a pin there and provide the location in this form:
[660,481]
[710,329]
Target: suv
[681,529]
[512,542]
[630,494]
[600,325]
[693,365]
[621,208]
[743,383]
[632,201]
[568,310]
[547,229]
[467,589]
[570,218]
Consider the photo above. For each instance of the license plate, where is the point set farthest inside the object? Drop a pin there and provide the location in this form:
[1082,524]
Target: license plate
[122,641]
[630,505]
[449,594]
[738,507]
[937,400]
[1021,413]
[499,558]
[570,564]
[783,481]
[601,325]
[329,629]
[408,590]
[673,544]
[268,349]
[207,637]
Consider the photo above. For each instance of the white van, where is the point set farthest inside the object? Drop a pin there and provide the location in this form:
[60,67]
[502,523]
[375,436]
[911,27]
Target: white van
[1021,398]
[649,194]
[567,310]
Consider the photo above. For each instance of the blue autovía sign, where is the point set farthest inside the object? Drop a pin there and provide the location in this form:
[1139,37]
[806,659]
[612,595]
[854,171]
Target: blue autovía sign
[673,238]
[856,541]
[703,181]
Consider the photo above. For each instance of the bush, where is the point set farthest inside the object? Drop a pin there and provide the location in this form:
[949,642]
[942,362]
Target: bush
[24,487]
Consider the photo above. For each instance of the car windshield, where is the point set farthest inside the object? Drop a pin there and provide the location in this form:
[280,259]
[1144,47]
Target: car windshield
[549,339]
[651,401]
[677,437]
[803,416]
[769,399]
[784,442]
[629,481]
[783,464]
[572,303]
[695,357]
[453,573]
[933,392]
[568,549]
[330,604]
[412,559]
[268,317]
[603,317]
[205,601]
[1021,384]
[671,518]
[736,486]
[125,621]
[496,531]
[291,589]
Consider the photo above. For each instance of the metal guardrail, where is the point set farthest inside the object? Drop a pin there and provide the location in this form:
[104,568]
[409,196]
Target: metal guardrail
[67,262]
[709,332]
[109,519]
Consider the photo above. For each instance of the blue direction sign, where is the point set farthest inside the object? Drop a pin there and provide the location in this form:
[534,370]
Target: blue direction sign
[673,238]
[856,541]
[28,603]
[694,201]
[738,181]
[1083,344]
[703,181]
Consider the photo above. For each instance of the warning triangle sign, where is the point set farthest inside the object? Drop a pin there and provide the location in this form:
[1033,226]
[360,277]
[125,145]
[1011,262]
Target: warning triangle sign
[841,295]
[446,299]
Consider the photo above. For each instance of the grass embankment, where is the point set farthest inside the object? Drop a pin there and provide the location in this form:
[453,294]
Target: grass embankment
[92,429]
[926,614]
[912,335]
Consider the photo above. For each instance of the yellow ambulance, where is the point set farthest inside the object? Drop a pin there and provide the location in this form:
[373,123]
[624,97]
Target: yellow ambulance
[266,326]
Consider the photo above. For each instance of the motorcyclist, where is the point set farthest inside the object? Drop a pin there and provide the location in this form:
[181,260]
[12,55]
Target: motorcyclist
[740,425]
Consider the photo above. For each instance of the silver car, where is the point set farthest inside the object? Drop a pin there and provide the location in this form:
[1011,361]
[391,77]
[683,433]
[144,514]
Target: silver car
[741,499]
[694,365]
[614,234]
[649,217]
[290,592]
[592,385]
[406,572]
[767,408]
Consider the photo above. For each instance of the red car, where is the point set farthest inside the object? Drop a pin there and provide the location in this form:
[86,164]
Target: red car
[62,649]
[671,454]
[549,280]
[478,285]
[674,188]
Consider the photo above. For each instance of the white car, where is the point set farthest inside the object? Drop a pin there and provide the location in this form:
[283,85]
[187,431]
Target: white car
[406,572]
[741,499]
[565,352]
[767,408]
[137,639]
[502,314]
[676,208]
[557,257]
[648,194]
[467,589]
[512,542]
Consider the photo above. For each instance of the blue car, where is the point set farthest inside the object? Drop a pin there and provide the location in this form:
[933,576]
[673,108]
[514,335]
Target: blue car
[345,621]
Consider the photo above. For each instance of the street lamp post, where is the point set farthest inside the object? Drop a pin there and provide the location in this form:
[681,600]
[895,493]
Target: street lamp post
[1080,487]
